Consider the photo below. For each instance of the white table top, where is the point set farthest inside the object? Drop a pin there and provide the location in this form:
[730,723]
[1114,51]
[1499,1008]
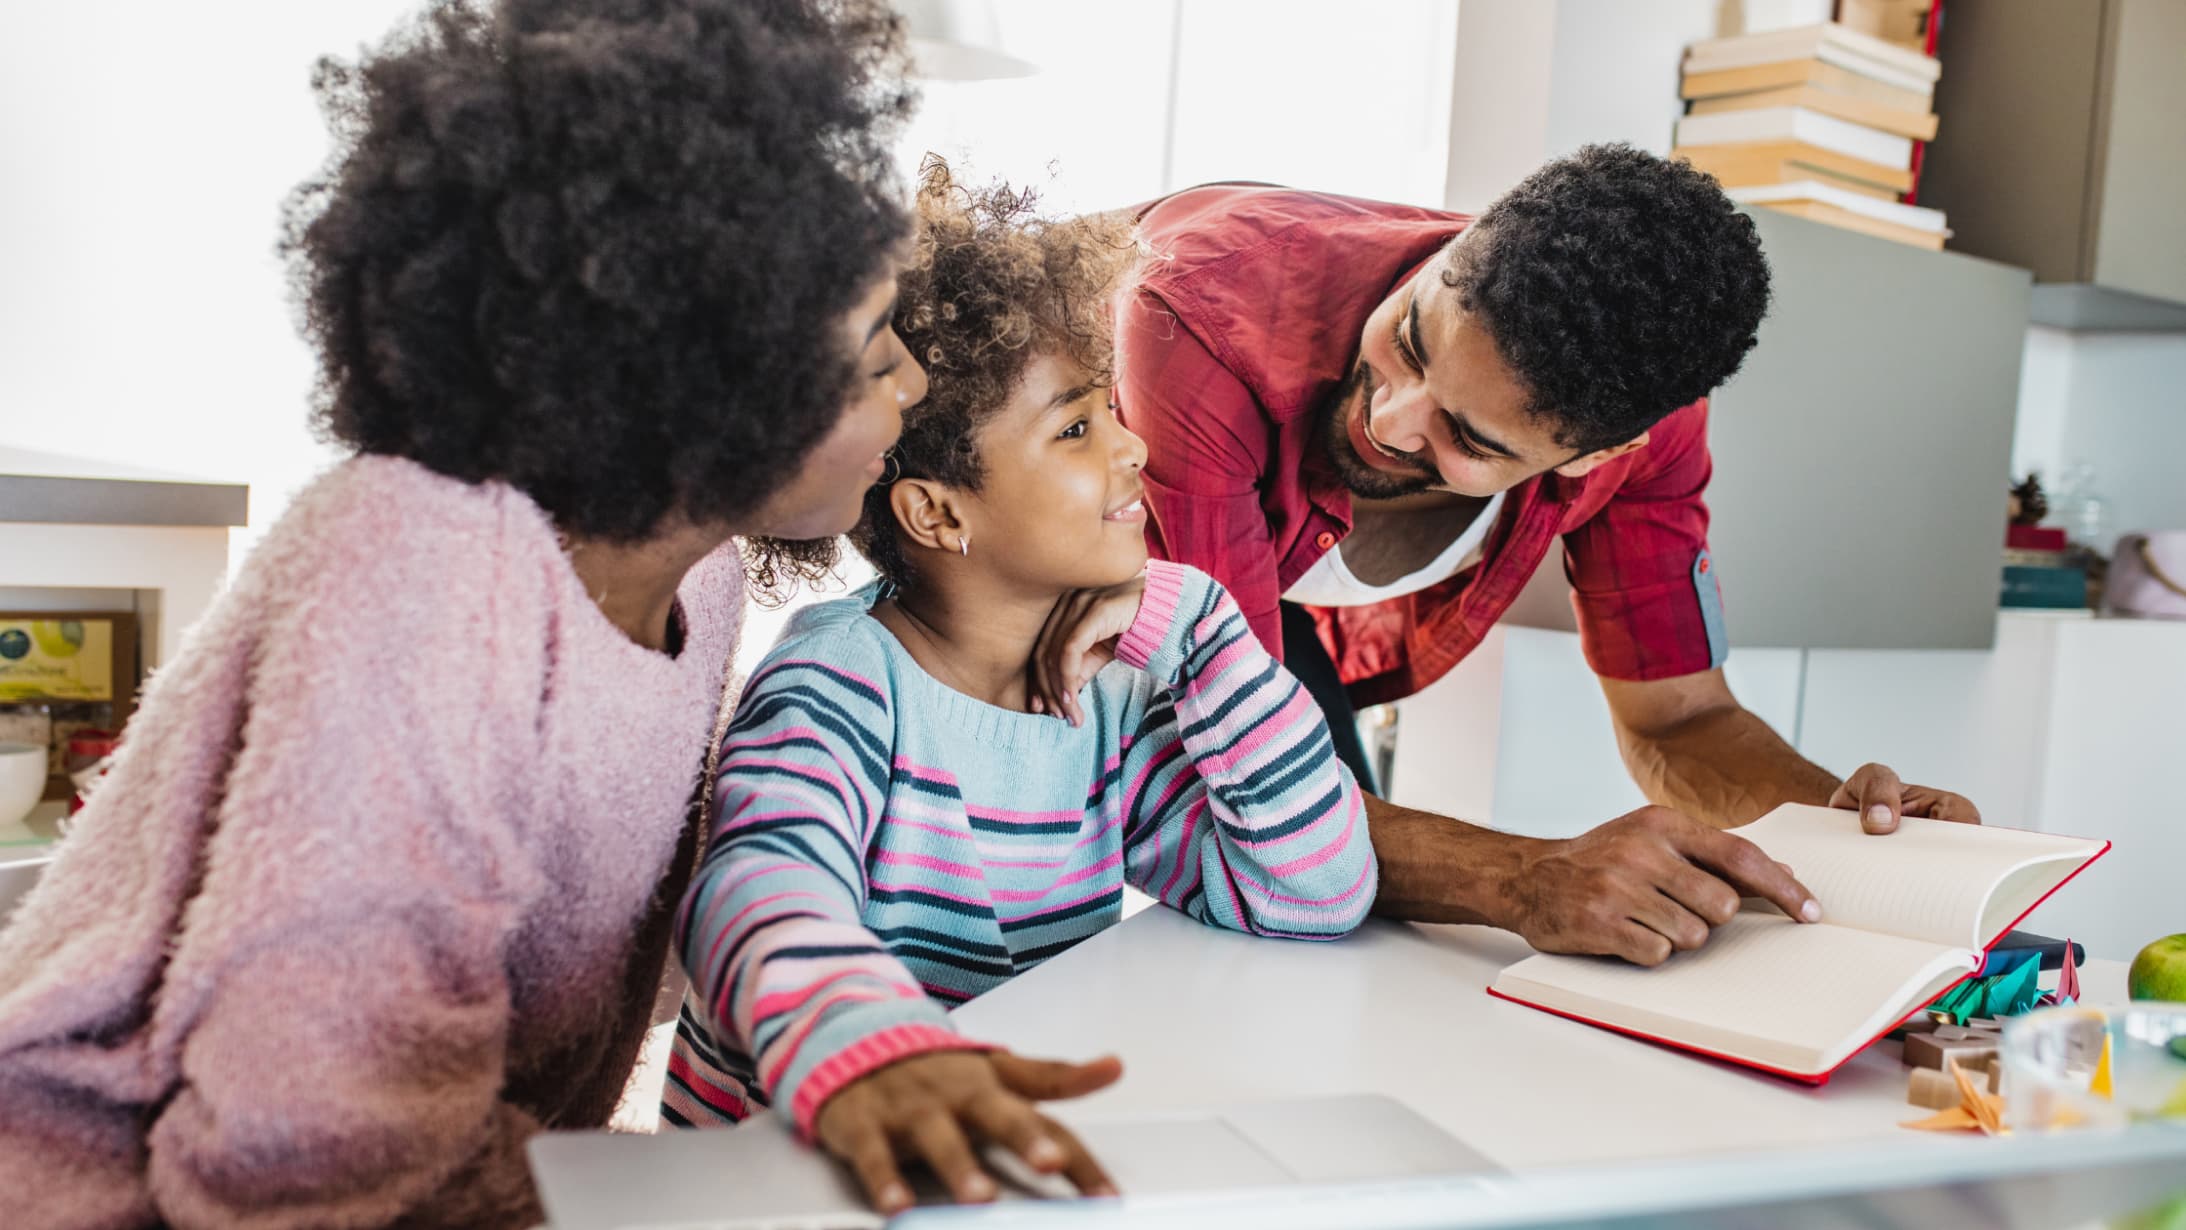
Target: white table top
[1202,1016]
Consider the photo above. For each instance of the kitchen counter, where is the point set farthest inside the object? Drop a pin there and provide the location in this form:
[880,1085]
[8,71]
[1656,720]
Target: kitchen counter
[138,540]
[51,488]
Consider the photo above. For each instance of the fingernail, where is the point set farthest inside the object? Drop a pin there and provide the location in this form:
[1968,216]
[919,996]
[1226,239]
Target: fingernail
[894,1197]
[978,1187]
[1879,816]
[1044,1153]
[1811,911]
[1101,1189]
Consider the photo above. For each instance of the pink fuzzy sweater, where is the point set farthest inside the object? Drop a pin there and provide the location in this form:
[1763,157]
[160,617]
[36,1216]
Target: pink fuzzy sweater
[377,889]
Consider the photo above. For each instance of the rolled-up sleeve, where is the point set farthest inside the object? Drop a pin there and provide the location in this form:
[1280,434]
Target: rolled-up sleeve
[1642,582]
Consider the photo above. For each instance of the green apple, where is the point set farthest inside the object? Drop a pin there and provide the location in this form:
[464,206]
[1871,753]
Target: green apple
[2159,972]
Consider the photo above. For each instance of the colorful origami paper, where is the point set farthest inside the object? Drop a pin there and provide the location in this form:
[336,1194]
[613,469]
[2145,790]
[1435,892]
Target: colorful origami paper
[2011,991]
[2068,981]
[1976,1109]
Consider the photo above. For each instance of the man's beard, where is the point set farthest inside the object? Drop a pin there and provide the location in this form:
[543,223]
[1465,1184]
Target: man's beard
[1361,479]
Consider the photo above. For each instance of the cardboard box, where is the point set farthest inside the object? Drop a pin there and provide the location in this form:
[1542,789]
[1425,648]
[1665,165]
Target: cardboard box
[1904,22]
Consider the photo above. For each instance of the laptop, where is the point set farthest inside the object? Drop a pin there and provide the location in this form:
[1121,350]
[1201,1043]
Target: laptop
[759,1175]
[2061,1181]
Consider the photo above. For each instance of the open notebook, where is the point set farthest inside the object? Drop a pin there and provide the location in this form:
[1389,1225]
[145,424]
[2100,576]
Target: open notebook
[1905,917]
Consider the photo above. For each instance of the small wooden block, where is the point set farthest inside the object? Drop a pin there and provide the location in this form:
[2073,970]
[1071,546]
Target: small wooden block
[1928,1050]
[1932,1088]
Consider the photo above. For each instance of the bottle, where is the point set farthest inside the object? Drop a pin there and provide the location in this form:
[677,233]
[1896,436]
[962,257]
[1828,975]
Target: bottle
[2081,510]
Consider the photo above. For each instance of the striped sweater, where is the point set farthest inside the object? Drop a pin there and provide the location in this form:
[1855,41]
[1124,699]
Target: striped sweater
[885,847]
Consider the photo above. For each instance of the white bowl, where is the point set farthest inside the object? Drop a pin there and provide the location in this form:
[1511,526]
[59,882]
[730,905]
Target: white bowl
[22,780]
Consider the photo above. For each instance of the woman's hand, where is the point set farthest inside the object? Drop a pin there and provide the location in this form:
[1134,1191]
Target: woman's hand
[933,1106]
[1079,639]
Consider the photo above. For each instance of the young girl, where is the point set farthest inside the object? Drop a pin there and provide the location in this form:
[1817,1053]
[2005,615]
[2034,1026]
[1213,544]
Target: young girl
[910,812]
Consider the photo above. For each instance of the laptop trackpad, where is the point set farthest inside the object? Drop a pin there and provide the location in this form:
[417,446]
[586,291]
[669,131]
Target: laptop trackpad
[1361,1138]
[1153,1156]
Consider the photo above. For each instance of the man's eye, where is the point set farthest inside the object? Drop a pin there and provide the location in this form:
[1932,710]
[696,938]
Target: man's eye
[1396,339]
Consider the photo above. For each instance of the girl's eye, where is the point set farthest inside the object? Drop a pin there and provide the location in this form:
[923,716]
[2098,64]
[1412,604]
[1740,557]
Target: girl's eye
[888,371]
[1074,431]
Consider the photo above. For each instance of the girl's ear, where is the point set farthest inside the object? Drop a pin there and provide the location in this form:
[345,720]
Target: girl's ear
[926,514]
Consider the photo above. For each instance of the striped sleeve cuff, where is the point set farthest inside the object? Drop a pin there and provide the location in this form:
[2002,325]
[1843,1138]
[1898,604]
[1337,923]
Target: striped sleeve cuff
[1150,632]
[867,1055]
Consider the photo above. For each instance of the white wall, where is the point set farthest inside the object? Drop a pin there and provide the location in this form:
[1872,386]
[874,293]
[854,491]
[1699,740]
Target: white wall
[1537,79]
[2116,401]
[147,147]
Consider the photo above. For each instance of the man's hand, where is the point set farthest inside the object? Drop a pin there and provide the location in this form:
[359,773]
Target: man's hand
[1643,886]
[1876,793]
[932,1106]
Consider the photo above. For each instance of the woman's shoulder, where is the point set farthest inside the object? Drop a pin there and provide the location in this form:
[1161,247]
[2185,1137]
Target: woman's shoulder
[381,555]
[386,518]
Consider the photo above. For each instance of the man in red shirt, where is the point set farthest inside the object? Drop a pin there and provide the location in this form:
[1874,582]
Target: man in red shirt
[1370,422]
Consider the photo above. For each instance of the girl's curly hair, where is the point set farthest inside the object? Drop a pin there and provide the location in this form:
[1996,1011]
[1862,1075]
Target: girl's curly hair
[993,285]
[599,249]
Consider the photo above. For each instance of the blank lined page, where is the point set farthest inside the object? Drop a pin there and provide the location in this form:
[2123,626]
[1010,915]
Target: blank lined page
[1930,880]
[1788,995]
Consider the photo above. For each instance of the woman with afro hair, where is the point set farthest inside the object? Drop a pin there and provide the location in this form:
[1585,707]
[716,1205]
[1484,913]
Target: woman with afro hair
[379,885]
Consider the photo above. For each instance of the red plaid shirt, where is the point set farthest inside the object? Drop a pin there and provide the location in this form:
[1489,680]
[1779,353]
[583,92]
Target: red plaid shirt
[1247,318]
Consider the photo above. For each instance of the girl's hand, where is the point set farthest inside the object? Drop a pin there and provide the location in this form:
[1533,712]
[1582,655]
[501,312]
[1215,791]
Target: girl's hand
[1079,639]
[932,1106]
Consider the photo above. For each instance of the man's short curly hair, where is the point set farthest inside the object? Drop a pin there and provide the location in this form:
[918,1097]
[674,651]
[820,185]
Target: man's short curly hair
[1619,286]
[993,286]
[601,249]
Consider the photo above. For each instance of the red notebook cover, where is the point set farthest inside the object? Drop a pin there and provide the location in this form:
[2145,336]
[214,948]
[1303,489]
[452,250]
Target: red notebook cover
[1807,1078]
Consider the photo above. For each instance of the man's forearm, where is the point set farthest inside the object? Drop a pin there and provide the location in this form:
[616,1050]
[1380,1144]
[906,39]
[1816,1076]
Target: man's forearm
[1435,869]
[1724,766]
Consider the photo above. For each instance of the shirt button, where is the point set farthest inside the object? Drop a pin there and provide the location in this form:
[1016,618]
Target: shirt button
[1324,540]
[1704,566]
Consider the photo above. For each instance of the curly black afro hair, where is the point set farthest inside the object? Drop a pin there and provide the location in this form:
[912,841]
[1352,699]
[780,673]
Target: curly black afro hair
[600,249]
[1619,286]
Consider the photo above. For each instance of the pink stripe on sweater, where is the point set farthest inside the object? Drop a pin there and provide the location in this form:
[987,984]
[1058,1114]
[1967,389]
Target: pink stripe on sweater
[1322,855]
[827,667]
[1184,847]
[1366,876]
[774,1003]
[874,883]
[894,820]
[925,773]
[730,928]
[899,858]
[1006,816]
[1157,610]
[1084,873]
[865,1055]
[1056,906]
[717,1096]
[774,736]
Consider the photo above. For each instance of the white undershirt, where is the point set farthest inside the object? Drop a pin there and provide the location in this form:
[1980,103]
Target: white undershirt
[1330,583]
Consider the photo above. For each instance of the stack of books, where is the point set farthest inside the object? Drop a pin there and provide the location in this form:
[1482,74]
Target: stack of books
[2041,572]
[1820,121]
